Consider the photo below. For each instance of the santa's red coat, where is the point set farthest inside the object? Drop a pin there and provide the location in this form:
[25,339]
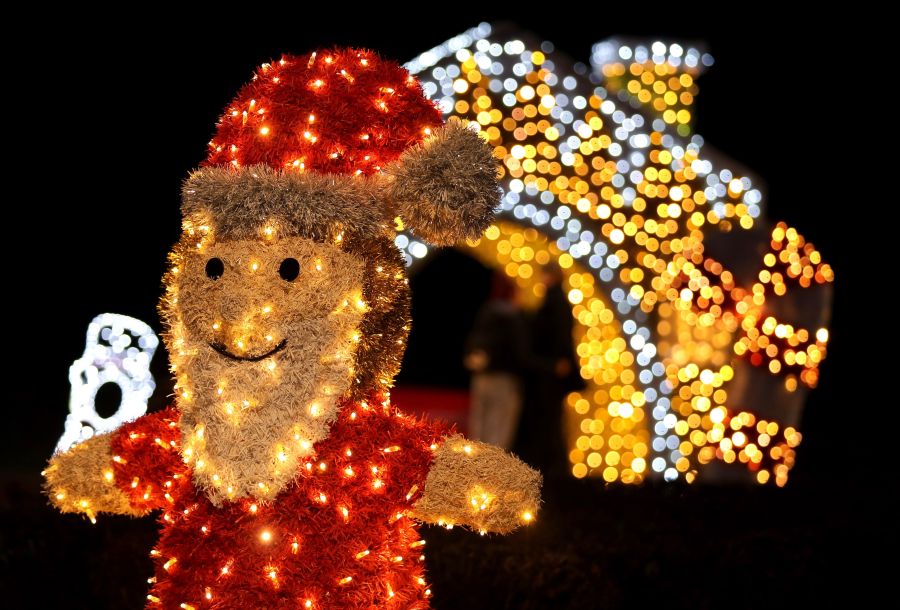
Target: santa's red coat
[337,537]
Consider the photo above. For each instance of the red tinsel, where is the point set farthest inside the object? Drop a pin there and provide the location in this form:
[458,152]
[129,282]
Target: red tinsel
[338,537]
[339,111]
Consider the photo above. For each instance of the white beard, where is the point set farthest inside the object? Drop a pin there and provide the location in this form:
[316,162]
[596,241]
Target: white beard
[246,425]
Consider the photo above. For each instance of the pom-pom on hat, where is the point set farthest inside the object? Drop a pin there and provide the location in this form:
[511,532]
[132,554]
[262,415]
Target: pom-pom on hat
[349,119]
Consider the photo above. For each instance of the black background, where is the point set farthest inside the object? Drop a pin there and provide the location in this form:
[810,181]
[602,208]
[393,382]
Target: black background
[104,121]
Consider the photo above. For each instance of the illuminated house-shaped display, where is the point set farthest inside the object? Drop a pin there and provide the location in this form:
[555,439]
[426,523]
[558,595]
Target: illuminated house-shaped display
[699,324]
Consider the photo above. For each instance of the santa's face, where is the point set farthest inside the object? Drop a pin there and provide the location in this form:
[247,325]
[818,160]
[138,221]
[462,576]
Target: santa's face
[263,335]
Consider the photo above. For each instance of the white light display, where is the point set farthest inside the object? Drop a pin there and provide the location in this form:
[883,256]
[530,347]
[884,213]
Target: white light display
[118,349]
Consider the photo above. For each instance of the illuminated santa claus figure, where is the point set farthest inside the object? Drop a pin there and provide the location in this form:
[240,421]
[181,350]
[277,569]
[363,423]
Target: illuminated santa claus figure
[284,476]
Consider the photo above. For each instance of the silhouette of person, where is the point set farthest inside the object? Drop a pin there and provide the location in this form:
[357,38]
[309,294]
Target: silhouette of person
[540,434]
[497,353]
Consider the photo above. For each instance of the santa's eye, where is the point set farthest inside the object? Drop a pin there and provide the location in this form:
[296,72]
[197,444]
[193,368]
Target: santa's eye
[289,269]
[215,268]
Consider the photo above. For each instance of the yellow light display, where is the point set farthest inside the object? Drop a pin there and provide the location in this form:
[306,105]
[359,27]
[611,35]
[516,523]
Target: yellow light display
[607,419]
[666,87]
[603,176]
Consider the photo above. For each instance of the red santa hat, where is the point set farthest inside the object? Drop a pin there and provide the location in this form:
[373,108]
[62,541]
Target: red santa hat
[343,137]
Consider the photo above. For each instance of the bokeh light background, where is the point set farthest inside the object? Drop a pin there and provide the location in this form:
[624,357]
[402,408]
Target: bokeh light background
[605,177]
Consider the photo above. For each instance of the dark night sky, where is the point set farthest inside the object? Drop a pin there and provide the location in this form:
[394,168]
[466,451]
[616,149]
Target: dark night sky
[114,117]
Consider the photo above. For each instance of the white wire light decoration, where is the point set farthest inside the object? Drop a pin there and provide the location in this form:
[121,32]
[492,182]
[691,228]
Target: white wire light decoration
[118,349]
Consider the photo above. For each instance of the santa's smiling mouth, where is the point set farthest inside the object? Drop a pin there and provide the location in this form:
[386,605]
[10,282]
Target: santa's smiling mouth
[221,349]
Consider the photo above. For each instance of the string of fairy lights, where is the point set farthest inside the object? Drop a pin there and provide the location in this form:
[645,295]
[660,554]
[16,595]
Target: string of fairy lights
[602,174]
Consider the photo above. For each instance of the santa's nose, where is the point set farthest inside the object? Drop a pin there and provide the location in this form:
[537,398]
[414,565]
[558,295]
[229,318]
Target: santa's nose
[234,309]
[243,315]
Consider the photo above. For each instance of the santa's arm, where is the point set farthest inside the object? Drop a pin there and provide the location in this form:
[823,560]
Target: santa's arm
[82,480]
[480,486]
[446,189]
[129,471]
